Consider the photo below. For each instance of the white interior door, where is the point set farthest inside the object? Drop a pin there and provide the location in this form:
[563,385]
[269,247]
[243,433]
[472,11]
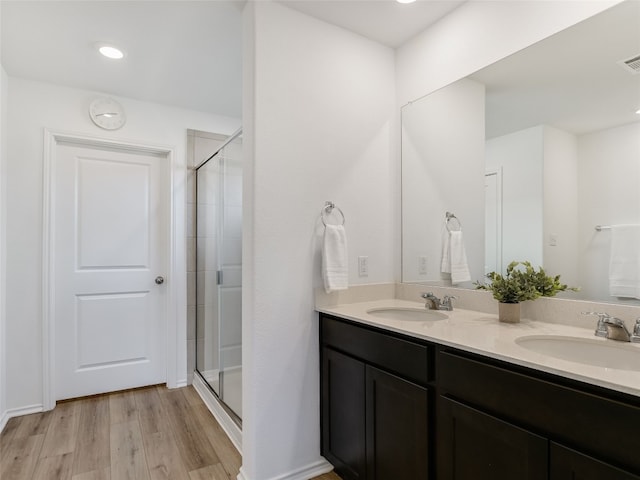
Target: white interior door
[109,231]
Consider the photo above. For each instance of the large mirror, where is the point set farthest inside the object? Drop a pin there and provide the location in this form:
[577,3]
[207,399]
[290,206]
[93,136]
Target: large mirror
[530,154]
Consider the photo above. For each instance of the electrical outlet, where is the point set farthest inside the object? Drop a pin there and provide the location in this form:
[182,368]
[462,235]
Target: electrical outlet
[553,240]
[363,266]
[422,265]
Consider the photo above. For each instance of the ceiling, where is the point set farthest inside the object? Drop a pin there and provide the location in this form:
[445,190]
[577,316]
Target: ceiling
[385,21]
[181,53]
[186,54]
[189,53]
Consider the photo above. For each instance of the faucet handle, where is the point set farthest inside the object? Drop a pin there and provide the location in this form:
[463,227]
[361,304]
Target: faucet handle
[431,301]
[635,336]
[601,328]
[615,321]
[446,302]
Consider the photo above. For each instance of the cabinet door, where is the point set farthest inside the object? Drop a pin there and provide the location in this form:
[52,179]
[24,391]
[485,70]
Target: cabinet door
[567,464]
[397,428]
[343,419]
[473,445]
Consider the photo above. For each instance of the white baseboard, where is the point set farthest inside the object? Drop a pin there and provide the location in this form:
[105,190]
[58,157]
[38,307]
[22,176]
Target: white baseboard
[3,421]
[304,473]
[18,412]
[228,425]
[182,383]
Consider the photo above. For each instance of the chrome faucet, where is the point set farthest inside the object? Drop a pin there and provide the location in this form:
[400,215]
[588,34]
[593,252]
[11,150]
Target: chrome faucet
[614,328]
[434,303]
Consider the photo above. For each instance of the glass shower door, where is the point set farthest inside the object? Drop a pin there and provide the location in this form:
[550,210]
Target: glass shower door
[219,275]
[230,278]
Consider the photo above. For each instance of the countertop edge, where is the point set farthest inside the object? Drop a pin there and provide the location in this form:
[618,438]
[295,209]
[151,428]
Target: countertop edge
[627,382]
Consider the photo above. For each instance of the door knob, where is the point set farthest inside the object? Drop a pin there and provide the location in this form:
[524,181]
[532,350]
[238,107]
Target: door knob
[159,280]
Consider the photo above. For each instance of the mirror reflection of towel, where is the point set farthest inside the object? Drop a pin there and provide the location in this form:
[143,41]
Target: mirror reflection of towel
[624,264]
[454,257]
[334,259]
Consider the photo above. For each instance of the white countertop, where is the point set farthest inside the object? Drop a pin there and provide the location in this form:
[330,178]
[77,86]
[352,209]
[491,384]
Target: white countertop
[482,333]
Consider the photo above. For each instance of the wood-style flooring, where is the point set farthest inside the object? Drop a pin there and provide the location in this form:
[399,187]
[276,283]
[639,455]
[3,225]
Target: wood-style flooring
[145,434]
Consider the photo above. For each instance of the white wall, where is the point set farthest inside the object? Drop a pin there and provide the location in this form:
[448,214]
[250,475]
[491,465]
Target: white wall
[33,106]
[320,125]
[540,198]
[3,256]
[608,195]
[440,174]
[520,155]
[560,205]
[479,33]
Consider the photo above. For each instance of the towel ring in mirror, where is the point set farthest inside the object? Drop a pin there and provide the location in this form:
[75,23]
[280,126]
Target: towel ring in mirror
[327,210]
[452,223]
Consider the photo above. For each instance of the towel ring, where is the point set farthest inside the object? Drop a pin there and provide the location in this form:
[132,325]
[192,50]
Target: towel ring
[450,218]
[326,211]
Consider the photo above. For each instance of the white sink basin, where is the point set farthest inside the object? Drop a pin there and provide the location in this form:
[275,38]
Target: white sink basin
[596,352]
[407,313]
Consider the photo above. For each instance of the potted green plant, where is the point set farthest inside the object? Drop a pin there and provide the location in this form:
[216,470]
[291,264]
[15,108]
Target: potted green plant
[519,285]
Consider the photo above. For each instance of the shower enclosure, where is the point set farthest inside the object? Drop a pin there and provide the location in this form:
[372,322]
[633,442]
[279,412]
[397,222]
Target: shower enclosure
[218,285]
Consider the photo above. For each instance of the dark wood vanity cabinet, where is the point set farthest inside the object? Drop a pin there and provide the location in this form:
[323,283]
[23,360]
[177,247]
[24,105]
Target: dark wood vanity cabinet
[480,446]
[374,403]
[505,422]
[394,407]
[343,419]
[567,464]
[396,426]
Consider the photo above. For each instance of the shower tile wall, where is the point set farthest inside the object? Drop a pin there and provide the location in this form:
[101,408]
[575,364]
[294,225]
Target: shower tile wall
[200,145]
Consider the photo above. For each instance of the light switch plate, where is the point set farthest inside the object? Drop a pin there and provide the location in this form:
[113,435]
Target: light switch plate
[363,266]
[422,265]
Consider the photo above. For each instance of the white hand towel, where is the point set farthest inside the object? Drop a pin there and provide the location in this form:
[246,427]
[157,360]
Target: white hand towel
[624,264]
[334,258]
[445,264]
[454,257]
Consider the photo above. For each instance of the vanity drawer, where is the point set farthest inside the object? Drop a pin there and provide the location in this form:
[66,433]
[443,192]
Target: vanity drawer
[576,414]
[386,350]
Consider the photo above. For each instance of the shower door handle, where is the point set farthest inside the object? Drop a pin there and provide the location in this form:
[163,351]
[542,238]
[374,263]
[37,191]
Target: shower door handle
[159,280]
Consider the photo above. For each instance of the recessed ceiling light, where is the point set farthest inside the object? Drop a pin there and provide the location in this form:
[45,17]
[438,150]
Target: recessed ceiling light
[638,111]
[405,1]
[111,52]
